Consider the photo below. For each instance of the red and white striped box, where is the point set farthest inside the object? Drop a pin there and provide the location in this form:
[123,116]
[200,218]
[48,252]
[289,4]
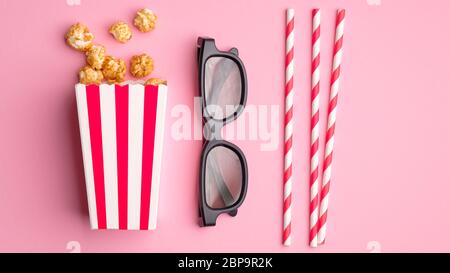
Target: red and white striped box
[122,131]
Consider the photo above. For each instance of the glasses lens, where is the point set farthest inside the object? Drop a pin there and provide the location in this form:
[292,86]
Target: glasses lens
[223,88]
[223,178]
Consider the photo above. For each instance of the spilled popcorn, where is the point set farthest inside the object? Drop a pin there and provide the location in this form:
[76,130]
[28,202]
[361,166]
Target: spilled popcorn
[121,32]
[101,67]
[114,69]
[145,20]
[155,81]
[95,56]
[79,37]
[141,65]
[89,75]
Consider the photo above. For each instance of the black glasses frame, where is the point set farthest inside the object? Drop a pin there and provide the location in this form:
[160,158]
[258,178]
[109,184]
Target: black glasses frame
[206,49]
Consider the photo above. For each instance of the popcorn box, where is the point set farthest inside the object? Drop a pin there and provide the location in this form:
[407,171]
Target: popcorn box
[122,130]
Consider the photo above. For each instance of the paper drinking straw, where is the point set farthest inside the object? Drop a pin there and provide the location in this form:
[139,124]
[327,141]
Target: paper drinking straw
[288,126]
[329,140]
[314,151]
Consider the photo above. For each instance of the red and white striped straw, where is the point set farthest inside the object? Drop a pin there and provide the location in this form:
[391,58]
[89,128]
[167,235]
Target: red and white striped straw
[288,126]
[314,151]
[329,140]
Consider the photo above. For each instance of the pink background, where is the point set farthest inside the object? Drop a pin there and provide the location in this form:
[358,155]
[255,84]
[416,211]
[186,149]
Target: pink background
[390,176]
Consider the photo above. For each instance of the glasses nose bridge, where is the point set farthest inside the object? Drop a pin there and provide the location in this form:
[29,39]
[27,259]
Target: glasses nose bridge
[213,129]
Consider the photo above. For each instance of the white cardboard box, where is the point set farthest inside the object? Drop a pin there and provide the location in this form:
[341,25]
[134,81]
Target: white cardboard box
[122,131]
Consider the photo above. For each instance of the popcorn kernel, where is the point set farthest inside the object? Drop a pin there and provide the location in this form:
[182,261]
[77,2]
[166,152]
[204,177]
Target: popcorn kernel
[121,32]
[79,37]
[88,75]
[114,69]
[155,81]
[141,65]
[95,56]
[145,20]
